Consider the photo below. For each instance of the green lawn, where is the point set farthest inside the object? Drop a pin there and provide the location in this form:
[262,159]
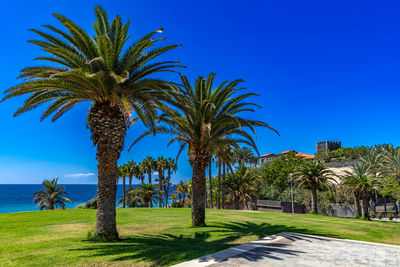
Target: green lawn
[160,236]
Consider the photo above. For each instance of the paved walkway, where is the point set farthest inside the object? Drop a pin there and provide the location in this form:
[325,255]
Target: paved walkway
[291,249]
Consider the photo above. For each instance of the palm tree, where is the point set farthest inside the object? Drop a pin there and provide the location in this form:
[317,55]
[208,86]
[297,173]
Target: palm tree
[148,192]
[150,164]
[161,165]
[171,167]
[140,172]
[51,197]
[135,198]
[115,78]
[203,118]
[313,174]
[391,163]
[243,155]
[181,190]
[123,172]
[241,185]
[362,181]
[131,169]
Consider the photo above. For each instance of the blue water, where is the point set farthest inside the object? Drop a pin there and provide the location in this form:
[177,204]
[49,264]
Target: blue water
[15,198]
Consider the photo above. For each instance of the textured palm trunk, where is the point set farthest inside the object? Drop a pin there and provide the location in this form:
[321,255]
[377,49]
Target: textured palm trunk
[314,199]
[108,128]
[357,208]
[210,178]
[364,204]
[167,187]
[199,162]
[160,185]
[237,202]
[223,187]
[123,189]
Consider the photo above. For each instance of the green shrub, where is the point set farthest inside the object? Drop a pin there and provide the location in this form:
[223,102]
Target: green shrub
[80,206]
[372,214]
[390,216]
[380,215]
[177,205]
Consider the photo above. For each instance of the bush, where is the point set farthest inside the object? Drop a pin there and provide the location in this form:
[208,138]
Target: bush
[380,215]
[92,203]
[188,204]
[80,206]
[372,214]
[177,205]
[390,216]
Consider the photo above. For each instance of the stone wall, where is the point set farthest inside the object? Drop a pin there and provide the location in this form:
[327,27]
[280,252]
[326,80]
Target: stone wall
[340,164]
[339,210]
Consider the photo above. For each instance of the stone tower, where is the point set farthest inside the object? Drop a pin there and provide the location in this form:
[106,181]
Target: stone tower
[328,145]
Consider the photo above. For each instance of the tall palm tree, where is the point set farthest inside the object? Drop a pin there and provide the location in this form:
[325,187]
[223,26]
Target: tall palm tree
[313,174]
[150,164]
[161,165]
[130,168]
[140,174]
[362,181]
[103,70]
[123,172]
[181,190]
[51,197]
[203,118]
[171,167]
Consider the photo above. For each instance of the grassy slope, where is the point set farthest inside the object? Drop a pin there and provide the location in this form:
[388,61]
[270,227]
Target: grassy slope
[160,236]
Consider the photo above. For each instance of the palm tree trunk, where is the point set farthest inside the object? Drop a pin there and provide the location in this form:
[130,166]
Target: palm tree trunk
[130,190]
[314,205]
[199,163]
[210,178]
[357,208]
[365,204]
[123,189]
[237,203]
[108,129]
[160,184]
[223,182]
[219,186]
[167,187]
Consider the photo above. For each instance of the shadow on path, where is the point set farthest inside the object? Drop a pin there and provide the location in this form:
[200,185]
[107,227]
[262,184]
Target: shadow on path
[166,249]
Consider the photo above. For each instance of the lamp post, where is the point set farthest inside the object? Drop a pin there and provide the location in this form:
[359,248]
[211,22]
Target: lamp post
[291,191]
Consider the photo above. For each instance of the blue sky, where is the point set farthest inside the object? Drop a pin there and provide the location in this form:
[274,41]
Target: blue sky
[325,70]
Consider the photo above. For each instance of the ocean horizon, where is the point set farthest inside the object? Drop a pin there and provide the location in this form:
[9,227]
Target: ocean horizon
[19,197]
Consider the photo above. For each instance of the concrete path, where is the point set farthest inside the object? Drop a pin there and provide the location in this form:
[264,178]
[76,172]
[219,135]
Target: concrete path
[291,249]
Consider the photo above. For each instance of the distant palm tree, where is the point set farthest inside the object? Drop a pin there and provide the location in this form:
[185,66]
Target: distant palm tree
[203,118]
[51,197]
[149,163]
[313,174]
[140,172]
[148,192]
[391,163]
[244,155]
[161,165]
[115,78]
[181,190]
[362,181]
[130,169]
[171,167]
[123,172]
[241,185]
[135,198]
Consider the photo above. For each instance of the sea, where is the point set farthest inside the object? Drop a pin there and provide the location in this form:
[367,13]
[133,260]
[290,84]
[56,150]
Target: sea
[19,197]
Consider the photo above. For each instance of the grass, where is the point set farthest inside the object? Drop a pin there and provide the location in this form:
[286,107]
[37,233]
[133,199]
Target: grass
[160,236]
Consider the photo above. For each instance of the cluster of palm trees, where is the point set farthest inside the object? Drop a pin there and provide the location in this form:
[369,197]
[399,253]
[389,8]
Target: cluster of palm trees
[120,82]
[163,166]
[377,172]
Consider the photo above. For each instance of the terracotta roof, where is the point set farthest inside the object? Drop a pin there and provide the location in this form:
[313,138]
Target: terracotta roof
[267,155]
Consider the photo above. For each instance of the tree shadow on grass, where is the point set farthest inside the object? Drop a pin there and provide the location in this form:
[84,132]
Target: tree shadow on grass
[166,249]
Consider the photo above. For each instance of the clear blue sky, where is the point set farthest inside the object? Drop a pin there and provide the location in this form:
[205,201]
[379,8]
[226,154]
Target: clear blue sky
[325,70]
